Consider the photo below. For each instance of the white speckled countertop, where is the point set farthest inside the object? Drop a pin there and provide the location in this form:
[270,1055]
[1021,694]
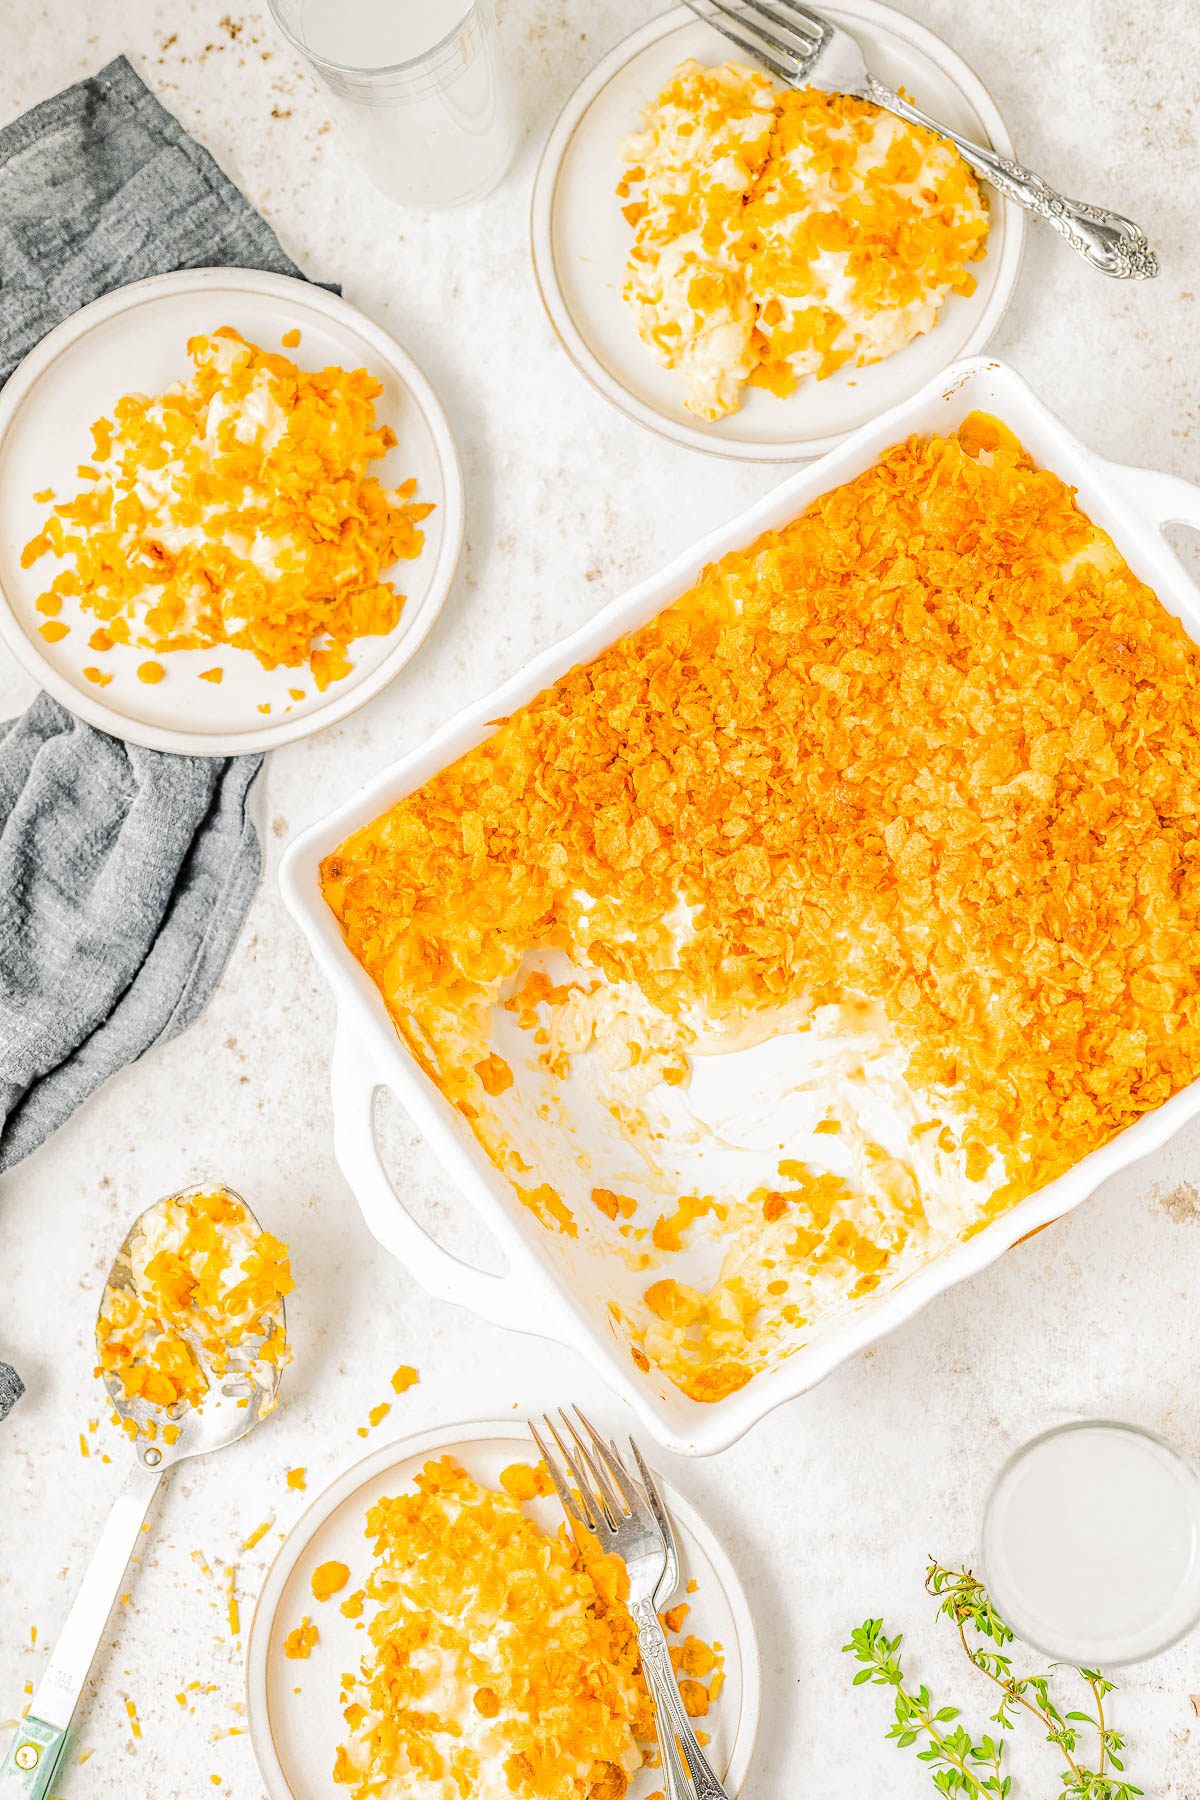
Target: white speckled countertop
[830,1506]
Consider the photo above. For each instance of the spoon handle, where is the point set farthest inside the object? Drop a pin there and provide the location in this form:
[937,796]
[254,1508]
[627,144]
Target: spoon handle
[40,1738]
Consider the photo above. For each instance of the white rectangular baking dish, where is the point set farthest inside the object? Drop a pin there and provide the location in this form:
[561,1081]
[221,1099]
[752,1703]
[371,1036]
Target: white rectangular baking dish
[547,1288]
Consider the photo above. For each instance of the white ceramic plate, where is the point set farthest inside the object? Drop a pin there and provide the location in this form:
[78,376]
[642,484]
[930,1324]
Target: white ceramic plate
[295,1720]
[135,340]
[580,242]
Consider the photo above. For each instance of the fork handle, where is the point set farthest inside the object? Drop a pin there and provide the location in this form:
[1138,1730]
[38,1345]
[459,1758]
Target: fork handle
[672,1715]
[1107,240]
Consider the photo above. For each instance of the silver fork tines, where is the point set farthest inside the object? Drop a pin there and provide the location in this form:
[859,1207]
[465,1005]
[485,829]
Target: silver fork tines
[804,49]
[630,1521]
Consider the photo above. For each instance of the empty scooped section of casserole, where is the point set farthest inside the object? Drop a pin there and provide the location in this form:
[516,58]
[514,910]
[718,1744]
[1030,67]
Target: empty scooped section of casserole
[927,756]
[780,235]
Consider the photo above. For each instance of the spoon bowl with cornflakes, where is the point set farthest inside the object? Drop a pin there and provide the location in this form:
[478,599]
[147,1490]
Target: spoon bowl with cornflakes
[191,1339]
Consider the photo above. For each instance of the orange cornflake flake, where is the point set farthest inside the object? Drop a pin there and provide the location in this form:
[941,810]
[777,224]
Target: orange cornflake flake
[216,676]
[150,672]
[295,1479]
[54,631]
[526,1481]
[44,496]
[494,1074]
[211,1282]
[98,677]
[83,1446]
[808,229]
[380,1412]
[931,746]
[296,693]
[328,1578]
[404,1377]
[265,708]
[352,1607]
[99,640]
[611,1204]
[291,338]
[673,1620]
[298,1644]
[282,473]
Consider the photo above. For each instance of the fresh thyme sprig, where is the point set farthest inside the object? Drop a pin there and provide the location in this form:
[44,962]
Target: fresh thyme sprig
[971,1769]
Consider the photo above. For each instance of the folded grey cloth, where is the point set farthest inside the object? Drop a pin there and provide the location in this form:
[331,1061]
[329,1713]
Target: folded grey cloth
[124,873]
[11,1389]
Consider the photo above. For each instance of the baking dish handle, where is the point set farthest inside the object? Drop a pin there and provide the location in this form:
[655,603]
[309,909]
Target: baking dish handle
[507,1300]
[1161,499]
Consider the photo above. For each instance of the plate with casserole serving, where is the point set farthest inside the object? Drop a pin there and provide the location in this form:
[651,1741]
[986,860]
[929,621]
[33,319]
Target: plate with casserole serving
[230,511]
[756,271]
[431,1628]
[811,926]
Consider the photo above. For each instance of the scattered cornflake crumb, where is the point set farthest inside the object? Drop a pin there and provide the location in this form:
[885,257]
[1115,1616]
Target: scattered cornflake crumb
[673,1620]
[93,1424]
[328,1578]
[362,1431]
[201,1562]
[257,1535]
[83,1449]
[291,338]
[404,1378]
[298,1644]
[150,672]
[131,1709]
[525,1481]
[354,1605]
[182,1699]
[52,631]
[379,1412]
[692,1587]
[235,1623]
[695,1698]
[100,640]
[44,496]
[96,676]
[296,693]
[265,708]
[124,1599]
[83,1756]
[33,1634]
[216,676]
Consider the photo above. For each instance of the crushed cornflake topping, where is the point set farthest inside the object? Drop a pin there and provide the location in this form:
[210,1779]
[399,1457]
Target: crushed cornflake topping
[328,1578]
[236,508]
[779,235]
[502,1660]
[299,1643]
[295,1479]
[932,750]
[404,1378]
[202,1281]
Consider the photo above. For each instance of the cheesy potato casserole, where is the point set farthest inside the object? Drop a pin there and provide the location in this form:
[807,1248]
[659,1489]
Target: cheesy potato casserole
[781,235]
[854,897]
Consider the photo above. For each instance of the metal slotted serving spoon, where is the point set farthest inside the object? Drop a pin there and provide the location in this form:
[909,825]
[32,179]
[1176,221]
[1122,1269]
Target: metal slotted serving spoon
[805,49]
[233,1404]
[627,1518]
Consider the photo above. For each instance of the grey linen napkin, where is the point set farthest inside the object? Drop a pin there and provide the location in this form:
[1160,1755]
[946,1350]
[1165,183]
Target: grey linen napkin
[125,874]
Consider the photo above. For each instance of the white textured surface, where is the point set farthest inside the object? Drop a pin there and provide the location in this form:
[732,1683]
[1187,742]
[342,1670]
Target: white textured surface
[830,1506]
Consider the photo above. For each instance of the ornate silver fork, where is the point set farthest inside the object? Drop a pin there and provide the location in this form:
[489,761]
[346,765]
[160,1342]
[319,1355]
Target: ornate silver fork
[805,49]
[627,1520]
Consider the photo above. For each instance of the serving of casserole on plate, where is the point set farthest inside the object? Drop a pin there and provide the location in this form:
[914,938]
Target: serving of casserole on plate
[830,924]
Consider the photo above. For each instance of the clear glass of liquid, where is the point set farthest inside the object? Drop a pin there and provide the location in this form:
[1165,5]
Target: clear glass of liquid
[418,87]
[1090,1543]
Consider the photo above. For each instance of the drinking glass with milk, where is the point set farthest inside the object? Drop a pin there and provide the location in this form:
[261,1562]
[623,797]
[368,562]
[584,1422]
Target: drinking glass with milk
[418,87]
[1090,1543]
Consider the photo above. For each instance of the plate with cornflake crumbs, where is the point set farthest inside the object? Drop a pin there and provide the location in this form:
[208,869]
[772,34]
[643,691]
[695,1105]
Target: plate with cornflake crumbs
[431,1629]
[756,271]
[230,511]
